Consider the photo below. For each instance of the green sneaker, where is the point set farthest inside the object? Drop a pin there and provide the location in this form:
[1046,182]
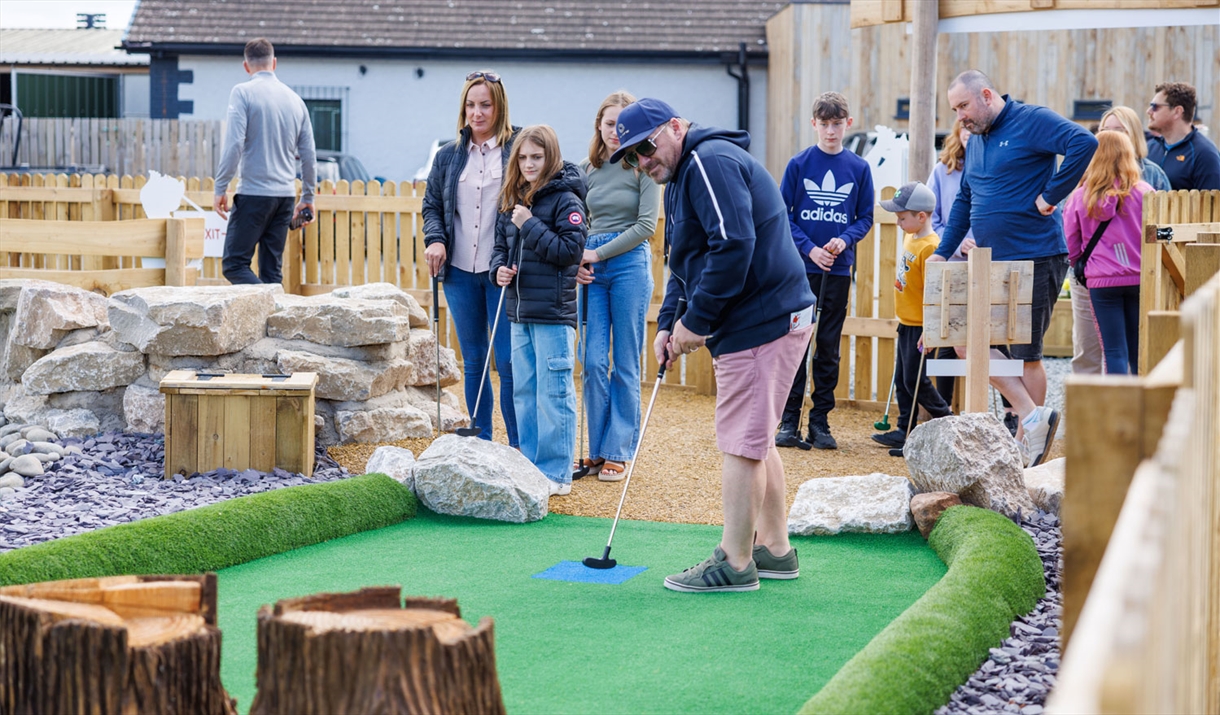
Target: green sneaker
[715,574]
[771,566]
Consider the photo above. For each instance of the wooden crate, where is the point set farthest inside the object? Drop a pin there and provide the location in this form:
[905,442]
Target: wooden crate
[239,422]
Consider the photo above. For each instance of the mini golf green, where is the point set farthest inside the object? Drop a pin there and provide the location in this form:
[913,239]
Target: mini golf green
[566,647]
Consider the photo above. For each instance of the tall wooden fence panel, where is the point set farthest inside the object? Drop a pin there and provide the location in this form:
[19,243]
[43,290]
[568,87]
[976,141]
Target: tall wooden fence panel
[175,147]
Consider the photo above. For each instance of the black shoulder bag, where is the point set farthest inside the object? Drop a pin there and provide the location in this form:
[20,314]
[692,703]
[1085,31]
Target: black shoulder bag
[1078,266]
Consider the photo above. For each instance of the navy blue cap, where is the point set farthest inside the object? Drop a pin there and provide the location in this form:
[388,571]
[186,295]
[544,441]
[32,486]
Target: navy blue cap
[636,122]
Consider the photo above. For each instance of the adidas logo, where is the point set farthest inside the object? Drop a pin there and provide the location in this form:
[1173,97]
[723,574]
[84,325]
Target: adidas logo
[827,194]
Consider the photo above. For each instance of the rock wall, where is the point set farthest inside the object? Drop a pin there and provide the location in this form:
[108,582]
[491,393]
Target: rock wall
[86,363]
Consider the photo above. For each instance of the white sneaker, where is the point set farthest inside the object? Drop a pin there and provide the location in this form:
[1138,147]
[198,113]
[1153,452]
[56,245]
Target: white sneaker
[559,490]
[1040,427]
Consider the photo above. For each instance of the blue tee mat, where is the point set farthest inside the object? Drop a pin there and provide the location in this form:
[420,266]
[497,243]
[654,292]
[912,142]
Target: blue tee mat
[579,573]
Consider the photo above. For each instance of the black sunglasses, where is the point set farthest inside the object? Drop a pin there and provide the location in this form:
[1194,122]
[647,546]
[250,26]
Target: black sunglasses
[648,147]
[489,76]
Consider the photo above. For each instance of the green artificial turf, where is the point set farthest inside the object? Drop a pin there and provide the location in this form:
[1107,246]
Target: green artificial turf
[565,647]
[219,535]
[915,664]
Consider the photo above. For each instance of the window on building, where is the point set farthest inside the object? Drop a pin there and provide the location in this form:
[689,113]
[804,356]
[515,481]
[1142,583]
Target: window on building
[326,115]
[57,95]
[1086,109]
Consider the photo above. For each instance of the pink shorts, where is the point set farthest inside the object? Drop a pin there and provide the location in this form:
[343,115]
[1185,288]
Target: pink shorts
[751,389]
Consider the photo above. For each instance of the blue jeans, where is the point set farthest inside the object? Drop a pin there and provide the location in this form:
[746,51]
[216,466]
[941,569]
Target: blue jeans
[618,305]
[1117,311]
[545,396]
[472,300]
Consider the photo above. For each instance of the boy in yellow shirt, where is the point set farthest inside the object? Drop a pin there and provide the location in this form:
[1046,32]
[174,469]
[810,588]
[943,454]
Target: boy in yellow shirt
[913,205]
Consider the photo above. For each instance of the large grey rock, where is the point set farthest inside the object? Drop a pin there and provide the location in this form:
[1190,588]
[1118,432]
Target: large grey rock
[387,291]
[17,359]
[871,504]
[27,465]
[268,349]
[144,409]
[973,456]
[46,312]
[78,422]
[385,424]
[393,462]
[24,408]
[339,321]
[467,476]
[452,416]
[161,365]
[1045,484]
[10,292]
[346,380]
[207,320]
[88,366]
[421,351]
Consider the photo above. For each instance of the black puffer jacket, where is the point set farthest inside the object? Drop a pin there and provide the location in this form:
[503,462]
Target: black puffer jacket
[440,196]
[547,251]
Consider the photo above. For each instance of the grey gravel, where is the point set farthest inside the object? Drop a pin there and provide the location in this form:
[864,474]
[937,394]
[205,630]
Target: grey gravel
[113,478]
[1020,672]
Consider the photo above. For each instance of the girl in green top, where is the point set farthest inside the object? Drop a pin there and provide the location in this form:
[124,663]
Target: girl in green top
[617,273]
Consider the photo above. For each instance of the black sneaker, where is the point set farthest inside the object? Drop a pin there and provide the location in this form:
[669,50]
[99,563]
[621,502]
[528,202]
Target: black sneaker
[820,437]
[1010,421]
[789,438]
[894,439]
[897,453]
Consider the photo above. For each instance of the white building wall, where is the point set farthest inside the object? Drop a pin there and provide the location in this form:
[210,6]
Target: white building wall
[392,115]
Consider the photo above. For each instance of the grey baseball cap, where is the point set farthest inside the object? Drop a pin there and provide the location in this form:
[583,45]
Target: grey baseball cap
[913,196]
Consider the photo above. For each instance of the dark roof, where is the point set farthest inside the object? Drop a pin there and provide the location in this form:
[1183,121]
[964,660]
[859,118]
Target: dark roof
[514,27]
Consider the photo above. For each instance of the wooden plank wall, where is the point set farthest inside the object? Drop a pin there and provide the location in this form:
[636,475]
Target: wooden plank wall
[813,50]
[117,146]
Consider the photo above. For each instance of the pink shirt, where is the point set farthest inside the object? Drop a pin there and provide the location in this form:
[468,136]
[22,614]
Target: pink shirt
[478,192]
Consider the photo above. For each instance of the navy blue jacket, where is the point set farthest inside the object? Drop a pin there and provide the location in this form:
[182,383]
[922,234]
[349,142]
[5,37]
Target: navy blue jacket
[1193,163]
[731,253]
[1005,171]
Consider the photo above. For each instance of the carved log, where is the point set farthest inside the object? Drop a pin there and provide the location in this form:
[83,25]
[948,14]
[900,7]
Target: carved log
[123,644]
[364,652]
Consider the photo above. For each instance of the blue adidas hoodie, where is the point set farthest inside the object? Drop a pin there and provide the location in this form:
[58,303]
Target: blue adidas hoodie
[828,196]
[1005,171]
[731,253]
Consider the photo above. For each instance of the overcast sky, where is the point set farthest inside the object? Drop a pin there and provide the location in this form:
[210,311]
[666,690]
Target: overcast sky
[62,13]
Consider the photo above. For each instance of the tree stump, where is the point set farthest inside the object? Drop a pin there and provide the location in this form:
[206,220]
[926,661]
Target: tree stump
[363,652]
[122,644]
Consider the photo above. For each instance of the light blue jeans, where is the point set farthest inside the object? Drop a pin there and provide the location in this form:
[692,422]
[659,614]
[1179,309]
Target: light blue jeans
[618,306]
[545,396]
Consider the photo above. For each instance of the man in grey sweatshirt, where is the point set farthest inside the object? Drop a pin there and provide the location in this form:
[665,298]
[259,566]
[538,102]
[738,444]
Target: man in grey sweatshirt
[268,132]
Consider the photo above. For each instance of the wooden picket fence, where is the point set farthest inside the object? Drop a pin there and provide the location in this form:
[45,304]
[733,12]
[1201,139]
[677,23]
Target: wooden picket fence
[174,147]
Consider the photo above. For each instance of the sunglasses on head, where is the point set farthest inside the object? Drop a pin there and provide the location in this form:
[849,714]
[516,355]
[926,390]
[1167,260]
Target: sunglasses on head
[489,76]
[648,147]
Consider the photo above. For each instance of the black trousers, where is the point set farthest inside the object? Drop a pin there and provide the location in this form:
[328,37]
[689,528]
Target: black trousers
[832,301]
[907,375]
[260,221]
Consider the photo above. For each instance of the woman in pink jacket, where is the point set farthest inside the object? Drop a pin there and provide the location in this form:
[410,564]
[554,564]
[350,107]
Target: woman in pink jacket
[1111,190]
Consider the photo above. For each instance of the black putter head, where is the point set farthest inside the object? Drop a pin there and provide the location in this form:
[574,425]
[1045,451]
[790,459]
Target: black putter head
[467,431]
[605,562]
[582,472]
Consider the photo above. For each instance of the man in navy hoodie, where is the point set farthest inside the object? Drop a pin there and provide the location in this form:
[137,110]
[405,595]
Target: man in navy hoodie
[733,264]
[1009,191]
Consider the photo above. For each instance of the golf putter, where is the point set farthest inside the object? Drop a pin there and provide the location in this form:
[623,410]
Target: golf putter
[473,431]
[884,422]
[436,323]
[605,562]
[897,452]
[583,470]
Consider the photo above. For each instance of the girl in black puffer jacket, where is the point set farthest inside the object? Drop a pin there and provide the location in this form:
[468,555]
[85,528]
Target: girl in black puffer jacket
[536,257]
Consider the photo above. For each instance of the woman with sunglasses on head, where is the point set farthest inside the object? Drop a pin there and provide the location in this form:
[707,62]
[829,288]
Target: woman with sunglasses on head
[460,229]
[617,274]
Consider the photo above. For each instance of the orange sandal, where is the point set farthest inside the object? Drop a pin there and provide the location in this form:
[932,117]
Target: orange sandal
[612,471]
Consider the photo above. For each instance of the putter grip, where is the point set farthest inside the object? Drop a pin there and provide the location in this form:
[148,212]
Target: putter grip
[677,316]
[436,302]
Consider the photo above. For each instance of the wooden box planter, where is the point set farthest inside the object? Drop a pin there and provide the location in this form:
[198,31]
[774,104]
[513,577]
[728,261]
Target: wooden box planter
[1058,340]
[238,422]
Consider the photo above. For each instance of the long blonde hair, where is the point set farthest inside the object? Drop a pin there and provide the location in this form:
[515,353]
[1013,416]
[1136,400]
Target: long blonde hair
[1112,172]
[597,147]
[953,152]
[502,128]
[516,190]
[1135,128]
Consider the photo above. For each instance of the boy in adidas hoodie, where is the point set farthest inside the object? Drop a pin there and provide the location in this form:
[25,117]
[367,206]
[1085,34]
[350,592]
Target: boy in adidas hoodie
[829,195]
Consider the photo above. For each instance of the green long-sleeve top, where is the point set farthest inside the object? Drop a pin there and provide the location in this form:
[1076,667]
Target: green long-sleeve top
[621,199]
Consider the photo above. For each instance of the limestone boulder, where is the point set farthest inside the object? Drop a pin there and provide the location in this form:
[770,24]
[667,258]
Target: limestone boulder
[24,408]
[268,350]
[973,456]
[385,424]
[347,380]
[452,415]
[926,509]
[870,504]
[195,321]
[10,292]
[393,462]
[161,365]
[467,476]
[144,409]
[340,321]
[73,423]
[1045,484]
[46,312]
[387,291]
[17,359]
[88,366]
[421,351]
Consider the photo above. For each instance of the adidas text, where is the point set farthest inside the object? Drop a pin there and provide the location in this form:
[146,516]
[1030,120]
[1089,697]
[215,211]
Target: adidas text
[824,214]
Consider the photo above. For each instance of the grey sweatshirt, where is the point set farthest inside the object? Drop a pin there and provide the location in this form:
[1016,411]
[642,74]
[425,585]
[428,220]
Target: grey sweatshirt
[268,130]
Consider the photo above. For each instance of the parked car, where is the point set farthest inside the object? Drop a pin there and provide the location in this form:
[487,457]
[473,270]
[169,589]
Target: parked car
[422,173]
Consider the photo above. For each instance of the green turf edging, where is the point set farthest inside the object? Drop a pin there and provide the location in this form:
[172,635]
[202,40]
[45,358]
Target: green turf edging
[218,535]
[915,664]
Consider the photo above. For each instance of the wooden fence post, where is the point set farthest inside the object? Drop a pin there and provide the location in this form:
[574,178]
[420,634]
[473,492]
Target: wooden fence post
[175,252]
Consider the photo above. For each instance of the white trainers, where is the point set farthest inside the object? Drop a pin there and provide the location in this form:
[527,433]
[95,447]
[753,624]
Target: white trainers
[559,490]
[1040,427]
